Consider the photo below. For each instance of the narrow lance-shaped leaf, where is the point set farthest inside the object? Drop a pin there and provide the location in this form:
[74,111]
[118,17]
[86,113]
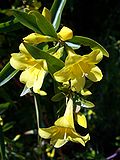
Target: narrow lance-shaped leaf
[8,126]
[27,20]
[57,97]
[44,25]
[54,64]
[7,73]
[89,42]
[56,12]
[85,103]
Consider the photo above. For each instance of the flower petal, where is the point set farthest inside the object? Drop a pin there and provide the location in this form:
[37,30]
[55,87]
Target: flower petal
[75,137]
[23,50]
[28,77]
[58,143]
[65,34]
[63,75]
[39,80]
[46,132]
[67,120]
[85,92]
[72,58]
[17,61]
[81,120]
[95,74]
[94,57]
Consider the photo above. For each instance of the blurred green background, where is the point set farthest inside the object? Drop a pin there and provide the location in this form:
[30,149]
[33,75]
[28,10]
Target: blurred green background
[99,20]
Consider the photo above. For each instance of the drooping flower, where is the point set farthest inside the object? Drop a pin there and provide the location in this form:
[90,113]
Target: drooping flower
[34,70]
[63,130]
[36,38]
[78,67]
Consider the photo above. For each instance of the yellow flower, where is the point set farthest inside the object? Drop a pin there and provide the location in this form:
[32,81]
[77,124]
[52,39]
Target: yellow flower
[34,70]
[78,67]
[36,38]
[63,130]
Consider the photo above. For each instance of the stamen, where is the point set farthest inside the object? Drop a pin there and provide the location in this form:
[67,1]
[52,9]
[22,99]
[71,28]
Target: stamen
[85,74]
[65,135]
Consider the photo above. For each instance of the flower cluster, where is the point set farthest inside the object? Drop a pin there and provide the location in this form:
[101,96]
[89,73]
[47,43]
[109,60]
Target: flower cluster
[76,71]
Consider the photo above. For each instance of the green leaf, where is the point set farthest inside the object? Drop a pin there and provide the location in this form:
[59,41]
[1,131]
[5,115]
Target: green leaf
[57,97]
[86,104]
[89,42]
[73,45]
[44,25]
[7,73]
[9,26]
[8,126]
[2,145]
[27,20]
[56,12]
[4,106]
[53,63]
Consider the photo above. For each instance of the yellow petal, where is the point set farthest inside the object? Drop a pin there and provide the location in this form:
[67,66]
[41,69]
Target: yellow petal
[86,138]
[17,61]
[21,61]
[63,75]
[65,34]
[85,92]
[94,57]
[42,93]
[41,63]
[23,49]
[59,53]
[39,81]
[81,120]
[46,132]
[95,74]
[72,59]
[67,120]
[46,13]
[37,38]
[77,78]
[27,77]
[75,137]
[58,143]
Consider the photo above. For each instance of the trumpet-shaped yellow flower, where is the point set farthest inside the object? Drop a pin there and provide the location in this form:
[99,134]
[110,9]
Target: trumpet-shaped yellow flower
[34,70]
[78,67]
[63,130]
[36,38]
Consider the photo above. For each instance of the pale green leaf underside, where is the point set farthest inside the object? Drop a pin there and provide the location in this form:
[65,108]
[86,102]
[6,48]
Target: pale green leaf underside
[7,73]
[56,12]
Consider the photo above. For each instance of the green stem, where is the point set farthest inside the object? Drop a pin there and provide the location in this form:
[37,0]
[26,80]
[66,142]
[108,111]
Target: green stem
[37,117]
